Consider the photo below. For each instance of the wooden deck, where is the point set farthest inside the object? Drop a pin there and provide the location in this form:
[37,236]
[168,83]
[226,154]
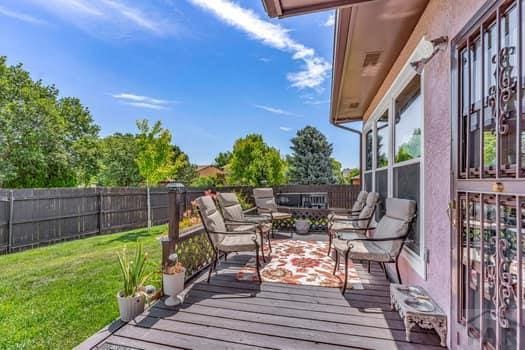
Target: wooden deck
[228,314]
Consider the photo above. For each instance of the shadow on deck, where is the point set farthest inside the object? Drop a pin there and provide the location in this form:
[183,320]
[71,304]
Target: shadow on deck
[228,314]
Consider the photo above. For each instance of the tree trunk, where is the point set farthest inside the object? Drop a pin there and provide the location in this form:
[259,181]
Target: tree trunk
[148,198]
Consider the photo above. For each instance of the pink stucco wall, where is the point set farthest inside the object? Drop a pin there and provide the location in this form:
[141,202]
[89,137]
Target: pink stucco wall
[441,18]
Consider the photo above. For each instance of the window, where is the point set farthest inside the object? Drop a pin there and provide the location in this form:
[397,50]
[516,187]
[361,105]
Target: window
[407,134]
[382,141]
[382,189]
[394,152]
[407,185]
[369,145]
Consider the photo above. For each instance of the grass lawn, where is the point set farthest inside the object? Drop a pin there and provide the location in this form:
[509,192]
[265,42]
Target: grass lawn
[55,297]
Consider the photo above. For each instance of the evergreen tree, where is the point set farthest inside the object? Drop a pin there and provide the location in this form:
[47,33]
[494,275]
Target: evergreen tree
[311,162]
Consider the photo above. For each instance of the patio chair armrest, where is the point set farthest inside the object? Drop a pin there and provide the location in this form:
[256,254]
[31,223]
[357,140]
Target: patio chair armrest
[265,210]
[249,210]
[384,239]
[233,232]
[352,219]
[238,222]
[343,230]
[344,211]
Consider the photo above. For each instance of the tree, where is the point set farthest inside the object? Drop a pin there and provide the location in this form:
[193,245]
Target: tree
[184,171]
[206,182]
[222,159]
[311,162]
[255,163]
[410,149]
[44,141]
[337,170]
[117,161]
[155,156]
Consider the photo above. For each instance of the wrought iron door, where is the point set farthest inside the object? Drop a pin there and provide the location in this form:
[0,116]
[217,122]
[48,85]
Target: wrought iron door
[489,148]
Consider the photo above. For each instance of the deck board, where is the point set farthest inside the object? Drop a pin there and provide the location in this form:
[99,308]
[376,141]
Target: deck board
[231,314]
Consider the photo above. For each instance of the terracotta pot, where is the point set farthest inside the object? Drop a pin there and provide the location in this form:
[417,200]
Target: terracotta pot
[130,307]
[173,284]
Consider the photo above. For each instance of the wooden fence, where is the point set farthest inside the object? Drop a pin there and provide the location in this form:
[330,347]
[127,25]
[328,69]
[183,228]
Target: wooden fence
[34,217]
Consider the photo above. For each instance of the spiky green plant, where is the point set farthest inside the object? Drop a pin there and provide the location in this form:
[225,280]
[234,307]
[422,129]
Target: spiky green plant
[133,271]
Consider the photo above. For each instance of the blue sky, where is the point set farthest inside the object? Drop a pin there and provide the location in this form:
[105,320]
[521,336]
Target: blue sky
[210,70]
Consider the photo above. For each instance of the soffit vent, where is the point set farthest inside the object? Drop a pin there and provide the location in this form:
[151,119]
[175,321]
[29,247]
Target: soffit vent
[371,63]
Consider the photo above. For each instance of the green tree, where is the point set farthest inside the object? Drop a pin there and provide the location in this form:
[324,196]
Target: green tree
[222,159]
[311,162]
[410,149]
[337,171]
[44,141]
[255,163]
[117,161]
[184,171]
[206,182]
[155,156]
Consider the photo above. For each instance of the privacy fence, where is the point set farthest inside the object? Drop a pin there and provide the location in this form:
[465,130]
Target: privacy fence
[34,217]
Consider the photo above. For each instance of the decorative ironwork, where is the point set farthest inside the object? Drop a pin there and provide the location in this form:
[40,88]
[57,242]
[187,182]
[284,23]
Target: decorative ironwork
[194,252]
[507,85]
[505,292]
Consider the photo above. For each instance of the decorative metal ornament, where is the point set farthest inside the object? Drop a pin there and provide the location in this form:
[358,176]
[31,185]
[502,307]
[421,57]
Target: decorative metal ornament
[507,85]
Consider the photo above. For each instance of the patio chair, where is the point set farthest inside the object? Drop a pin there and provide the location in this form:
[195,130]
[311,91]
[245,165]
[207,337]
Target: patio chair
[356,225]
[233,214]
[266,205]
[387,242]
[354,211]
[227,238]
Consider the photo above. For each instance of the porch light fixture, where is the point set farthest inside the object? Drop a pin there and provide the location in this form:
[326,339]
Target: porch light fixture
[430,50]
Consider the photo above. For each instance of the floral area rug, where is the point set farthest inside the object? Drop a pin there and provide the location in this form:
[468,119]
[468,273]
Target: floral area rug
[300,262]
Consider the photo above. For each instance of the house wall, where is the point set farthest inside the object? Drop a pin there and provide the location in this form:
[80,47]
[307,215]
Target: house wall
[440,18]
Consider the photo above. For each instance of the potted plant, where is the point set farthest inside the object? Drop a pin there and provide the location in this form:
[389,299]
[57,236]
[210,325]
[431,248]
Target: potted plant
[173,276]
[302,226]
[132,298]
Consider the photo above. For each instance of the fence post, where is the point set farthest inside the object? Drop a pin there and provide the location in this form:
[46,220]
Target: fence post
[174,206]
[10,221]
[100,226]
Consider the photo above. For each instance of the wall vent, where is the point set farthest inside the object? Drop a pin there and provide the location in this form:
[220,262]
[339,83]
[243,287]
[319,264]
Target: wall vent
[371,59]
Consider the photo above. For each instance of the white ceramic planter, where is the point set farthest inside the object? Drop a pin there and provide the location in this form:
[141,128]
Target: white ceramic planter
[302,226]
[173,284]
[130,307]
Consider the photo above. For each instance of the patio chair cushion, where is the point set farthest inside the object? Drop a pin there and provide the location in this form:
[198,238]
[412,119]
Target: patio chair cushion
[395,223]
[264,199]
[360,201]
[231,208]
[367,211]
[212,219]
[239,243]
[362,250]
[351,234]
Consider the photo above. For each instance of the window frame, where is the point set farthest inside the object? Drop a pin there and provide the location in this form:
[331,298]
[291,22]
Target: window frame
[417,260]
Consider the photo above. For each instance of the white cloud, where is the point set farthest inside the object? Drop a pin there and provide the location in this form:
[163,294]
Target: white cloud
[143,101]
[330,21]
[109,17]
[310,99]
[20,16]
[265,59]
[314,70]
[284,128]
[276,110]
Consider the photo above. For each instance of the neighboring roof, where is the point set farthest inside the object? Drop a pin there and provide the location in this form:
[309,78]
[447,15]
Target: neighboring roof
[203,167]
[285,8]
[367,40]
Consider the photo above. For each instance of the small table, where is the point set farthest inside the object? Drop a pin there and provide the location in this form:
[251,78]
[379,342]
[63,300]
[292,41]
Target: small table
[416,307]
